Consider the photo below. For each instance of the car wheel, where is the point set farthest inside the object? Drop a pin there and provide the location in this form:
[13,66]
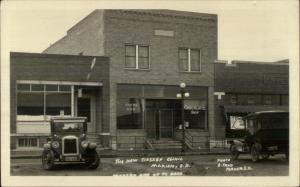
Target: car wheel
[254,154]
[48,159]
[234,153]
[92,160]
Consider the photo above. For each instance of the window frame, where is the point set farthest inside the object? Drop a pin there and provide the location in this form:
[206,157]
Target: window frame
[189,59]
[137,57]
[26,147]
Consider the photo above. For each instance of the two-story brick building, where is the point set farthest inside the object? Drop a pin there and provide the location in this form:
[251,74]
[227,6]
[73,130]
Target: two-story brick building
[150,53]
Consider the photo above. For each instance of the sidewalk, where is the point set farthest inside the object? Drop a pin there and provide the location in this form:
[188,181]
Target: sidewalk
[108,153]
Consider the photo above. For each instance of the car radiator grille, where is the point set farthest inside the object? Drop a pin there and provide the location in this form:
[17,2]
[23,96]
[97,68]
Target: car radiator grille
[70,146]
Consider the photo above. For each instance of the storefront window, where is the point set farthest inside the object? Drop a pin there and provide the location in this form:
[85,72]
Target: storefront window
[58,104]
[195,114]
[129,113]
[30,104]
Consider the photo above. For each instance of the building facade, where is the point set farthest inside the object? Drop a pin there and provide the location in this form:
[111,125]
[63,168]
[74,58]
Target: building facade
[44,86]
[243,87]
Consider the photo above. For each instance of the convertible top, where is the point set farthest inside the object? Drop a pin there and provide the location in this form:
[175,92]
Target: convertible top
[262,114]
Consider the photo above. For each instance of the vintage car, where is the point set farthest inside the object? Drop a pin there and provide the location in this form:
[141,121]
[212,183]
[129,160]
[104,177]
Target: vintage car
[68,143]
[266,133]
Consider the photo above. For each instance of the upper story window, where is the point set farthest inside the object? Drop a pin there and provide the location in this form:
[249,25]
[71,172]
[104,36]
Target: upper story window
[137,57]
[189,60]
[251,100]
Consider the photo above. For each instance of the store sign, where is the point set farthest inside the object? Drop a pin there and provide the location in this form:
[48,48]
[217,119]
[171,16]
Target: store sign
[194,109]
[131,106]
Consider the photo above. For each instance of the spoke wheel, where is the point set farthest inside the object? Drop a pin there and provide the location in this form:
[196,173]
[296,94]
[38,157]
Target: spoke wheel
[254,154]
[48,159]
[234,153]
[92,160]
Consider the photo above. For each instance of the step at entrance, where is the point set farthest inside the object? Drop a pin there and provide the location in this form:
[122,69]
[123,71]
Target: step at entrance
[166,144]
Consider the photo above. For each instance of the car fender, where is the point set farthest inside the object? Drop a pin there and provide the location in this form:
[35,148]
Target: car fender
[92,145]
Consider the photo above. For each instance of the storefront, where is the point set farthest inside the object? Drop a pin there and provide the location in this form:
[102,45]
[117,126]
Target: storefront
[155,109]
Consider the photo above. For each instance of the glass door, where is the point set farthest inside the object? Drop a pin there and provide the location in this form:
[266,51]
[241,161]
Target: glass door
[166,123]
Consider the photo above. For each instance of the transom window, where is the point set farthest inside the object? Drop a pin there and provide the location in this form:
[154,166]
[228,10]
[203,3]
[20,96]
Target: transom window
[137,56]
[189,59]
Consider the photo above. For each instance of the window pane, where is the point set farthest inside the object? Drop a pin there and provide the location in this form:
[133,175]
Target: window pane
[37,87]
[64,88]
[129,115]
[51,87]
[30,104]
[130,62]
[130,50]
[143,51]
[56,103]
[195,119]
[144,63]
[195,60]
[183,54]
[23,87]
[183,64]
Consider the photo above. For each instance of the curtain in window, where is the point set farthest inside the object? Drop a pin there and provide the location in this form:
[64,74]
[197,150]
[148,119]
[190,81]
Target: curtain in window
[183,60]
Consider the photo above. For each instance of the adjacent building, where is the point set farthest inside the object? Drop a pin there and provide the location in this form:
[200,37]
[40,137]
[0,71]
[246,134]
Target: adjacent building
[242,87]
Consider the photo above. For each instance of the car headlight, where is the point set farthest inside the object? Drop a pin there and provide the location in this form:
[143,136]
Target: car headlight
[55,144]
[84,144]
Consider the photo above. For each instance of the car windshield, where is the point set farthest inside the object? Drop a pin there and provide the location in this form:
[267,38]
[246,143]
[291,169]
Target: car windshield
[68,127]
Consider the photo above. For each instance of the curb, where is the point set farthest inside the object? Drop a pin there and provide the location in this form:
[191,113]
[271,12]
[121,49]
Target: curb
[136,154]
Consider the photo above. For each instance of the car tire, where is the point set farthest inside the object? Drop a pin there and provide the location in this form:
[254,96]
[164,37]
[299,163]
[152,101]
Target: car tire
[48,159]
[234,153]
[92,160]
[254,153]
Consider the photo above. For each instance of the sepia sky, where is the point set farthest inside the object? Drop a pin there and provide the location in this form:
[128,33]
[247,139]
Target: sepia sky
[247,30]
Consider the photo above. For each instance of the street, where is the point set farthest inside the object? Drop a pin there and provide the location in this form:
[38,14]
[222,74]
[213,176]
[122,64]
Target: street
[201,165]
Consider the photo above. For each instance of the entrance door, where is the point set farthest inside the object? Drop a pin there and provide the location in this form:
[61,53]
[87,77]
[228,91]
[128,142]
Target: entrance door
[85,108]
[160,118]
[166,123]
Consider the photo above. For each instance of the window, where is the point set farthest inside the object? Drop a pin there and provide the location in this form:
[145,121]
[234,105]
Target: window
[129,113]
[57,104]
[42,100]
[27,142]
[236,122]
[189,60]
[30,104]
[137,57]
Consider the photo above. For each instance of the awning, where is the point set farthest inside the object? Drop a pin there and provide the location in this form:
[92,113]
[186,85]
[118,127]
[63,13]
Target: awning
[251,108]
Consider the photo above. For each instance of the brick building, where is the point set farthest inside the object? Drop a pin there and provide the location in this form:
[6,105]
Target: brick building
[151,52]
[243,87]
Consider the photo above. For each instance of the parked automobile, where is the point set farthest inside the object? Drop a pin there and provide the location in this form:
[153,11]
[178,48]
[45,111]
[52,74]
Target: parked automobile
[266,133]
[68,143]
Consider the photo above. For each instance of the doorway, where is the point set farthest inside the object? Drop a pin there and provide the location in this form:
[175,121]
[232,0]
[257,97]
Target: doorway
[162,117]
[86,108]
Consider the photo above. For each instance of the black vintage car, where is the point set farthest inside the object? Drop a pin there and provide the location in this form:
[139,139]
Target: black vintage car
[68,143]
[266,133]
